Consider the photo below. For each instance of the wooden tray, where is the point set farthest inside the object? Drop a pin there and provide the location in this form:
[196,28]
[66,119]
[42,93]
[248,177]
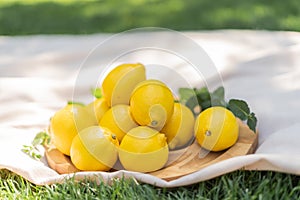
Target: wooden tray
[181,162]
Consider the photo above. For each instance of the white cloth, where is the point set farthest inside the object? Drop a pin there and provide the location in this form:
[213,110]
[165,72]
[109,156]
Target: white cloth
[39,73]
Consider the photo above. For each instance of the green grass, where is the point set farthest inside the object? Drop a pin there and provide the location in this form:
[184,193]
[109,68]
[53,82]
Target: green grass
[236,185]
[19,17]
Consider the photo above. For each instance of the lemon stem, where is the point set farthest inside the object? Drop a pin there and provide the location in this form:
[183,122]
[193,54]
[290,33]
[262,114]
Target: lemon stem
[207,133]
[113,136]
[154,123]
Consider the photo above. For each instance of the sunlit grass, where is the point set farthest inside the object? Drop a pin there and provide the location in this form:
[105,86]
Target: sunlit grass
[32,2]
[236,185]
[91,16]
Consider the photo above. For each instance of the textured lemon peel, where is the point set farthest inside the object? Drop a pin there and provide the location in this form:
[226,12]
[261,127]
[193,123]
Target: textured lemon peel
[144,162]
[211,136]
[118,115]
[126,83]
[103,140]
[179,128]
[158,116]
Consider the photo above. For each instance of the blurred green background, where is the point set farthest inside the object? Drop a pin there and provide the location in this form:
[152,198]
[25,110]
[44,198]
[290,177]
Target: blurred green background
[22,17]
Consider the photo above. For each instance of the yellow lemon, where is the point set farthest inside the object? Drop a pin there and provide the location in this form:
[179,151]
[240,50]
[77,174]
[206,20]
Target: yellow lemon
[179,130]
[120,82]
[216,129]
[97,108]
[118,119]
[152,104]
[143,149]
[94,148]
[66,123]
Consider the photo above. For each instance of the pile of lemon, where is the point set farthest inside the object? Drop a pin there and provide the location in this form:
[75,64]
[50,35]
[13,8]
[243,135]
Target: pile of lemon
[137,121]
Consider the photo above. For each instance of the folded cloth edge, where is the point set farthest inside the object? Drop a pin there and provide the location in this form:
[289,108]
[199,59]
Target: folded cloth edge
[259,162]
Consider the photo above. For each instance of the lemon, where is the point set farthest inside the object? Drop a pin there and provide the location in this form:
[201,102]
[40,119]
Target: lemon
[120,82]
[97,108]
[152,104]
[216,129]
[119,120]
[179,130]
[143,149]
[94,148]
[66,123]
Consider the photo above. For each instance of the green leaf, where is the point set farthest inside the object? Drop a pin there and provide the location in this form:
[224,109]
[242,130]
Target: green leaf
[31,151]
[191,103]
[40,139]
[205,104]
[37,141]
[203,94]
[75,103]
[217,102]
[219,92]
[218,97]
[185,94]
[252,121]
[239,108]
[96,92]
[202,97]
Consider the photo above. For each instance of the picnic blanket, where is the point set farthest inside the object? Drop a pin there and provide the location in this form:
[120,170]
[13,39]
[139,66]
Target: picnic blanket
[38,74]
